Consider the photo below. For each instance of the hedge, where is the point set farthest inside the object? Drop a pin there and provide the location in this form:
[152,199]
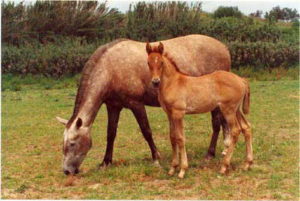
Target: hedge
[69,56]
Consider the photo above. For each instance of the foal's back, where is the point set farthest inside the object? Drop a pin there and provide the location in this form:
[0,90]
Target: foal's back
[203,94]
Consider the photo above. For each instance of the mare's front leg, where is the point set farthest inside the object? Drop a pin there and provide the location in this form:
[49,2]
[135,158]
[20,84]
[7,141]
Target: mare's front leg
[178,132]
[113,113]
[139,112]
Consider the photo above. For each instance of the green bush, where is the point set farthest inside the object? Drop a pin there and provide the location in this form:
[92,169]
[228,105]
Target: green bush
[53,59]
[55,38]
[239,29]
[161,20]
[263,54]
[224,11]
[45,20]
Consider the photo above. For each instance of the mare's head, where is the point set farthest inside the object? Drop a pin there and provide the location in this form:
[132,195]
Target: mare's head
[155,62]
[77,143]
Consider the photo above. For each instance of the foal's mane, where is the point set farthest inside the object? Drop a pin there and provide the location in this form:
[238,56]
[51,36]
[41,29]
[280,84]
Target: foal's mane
[86,73]
[166,55]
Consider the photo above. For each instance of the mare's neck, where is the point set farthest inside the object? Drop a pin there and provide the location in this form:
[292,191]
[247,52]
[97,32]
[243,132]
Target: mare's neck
[91,96]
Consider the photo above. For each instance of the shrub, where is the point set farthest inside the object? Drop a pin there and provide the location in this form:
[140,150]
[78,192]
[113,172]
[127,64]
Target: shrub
[161,20]
[53,59]
[223,11]
[263,54]
[240,29]
[45,20]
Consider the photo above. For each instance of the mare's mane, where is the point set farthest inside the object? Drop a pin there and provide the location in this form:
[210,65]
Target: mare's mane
[86,73]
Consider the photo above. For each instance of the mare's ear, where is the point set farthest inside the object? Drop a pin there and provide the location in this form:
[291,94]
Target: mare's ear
[78,123]
[61,120]
[160,48]
[148,48]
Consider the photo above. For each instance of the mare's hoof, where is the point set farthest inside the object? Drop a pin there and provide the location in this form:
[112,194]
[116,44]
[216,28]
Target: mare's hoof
[104,165]
[156,164]
[209,156]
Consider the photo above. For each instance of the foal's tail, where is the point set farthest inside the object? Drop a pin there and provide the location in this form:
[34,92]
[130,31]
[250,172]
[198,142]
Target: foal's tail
[246,101]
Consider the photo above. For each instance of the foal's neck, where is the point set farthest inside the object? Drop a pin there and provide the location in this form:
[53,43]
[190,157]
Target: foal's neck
[169,69]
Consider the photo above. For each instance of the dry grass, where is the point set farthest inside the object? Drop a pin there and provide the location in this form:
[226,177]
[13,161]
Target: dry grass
[32,140]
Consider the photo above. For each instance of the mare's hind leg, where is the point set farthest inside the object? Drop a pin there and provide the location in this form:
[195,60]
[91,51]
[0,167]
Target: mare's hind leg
[246,129]
[139,112]
[217,120]
[113,113]
[216,125]
[232,138]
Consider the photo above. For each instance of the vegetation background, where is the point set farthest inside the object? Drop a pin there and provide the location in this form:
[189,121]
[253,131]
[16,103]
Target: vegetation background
[55,38]
[44,47]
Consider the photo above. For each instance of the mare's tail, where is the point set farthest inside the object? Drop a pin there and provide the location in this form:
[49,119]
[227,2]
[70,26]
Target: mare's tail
[246,101]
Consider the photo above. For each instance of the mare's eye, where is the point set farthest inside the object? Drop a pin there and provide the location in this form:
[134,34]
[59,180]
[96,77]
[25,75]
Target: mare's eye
[72,144]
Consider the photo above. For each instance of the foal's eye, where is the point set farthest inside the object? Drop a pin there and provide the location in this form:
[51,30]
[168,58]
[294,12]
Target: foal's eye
[72,144]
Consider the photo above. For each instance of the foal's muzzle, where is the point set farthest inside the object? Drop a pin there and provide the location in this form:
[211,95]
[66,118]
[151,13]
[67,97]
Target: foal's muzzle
[156,82]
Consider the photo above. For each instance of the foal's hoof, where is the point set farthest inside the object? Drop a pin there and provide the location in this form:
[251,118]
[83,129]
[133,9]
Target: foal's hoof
[171,171]
[224,152]
[223,170]
[247,166]
[181,174]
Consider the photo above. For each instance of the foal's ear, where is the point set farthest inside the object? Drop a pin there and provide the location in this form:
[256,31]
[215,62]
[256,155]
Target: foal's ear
[61,120]
[148,48]
[160,48]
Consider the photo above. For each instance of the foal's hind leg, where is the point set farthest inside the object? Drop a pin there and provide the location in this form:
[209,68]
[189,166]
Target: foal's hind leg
[246,129]
[230,116]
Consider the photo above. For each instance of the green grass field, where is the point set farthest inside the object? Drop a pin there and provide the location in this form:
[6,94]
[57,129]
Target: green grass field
[32,150]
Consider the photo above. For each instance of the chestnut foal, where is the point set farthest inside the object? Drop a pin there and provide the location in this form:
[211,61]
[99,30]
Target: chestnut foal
[180,94]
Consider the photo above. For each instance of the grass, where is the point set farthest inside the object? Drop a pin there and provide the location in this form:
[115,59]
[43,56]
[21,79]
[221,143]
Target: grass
[32,142]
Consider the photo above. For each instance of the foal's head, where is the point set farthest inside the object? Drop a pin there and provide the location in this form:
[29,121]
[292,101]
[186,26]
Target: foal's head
[77,143]
[155,62]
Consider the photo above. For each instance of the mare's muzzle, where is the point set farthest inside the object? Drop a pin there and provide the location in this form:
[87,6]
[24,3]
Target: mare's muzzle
[155,82]
[67,172]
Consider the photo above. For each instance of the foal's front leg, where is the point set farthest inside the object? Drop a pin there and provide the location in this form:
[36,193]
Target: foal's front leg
[178,134]
[175,159]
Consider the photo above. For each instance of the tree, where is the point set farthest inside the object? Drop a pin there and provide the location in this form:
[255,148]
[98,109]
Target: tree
[278,13]
[223,11]
[258,14]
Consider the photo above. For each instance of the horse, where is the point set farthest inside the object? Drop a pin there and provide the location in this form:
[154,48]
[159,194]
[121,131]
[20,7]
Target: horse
[181,94]
[117,75]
